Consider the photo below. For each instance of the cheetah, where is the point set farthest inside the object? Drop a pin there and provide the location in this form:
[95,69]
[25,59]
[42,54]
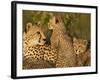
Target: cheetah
[82,50]
[79,45]
[60,40]
[36,54]
[32,36]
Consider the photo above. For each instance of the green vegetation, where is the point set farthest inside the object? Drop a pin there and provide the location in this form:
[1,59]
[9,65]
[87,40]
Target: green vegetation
[77,24]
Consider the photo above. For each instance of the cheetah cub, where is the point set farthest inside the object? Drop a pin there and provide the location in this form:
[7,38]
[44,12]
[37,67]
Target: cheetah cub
[82,50]
[79,45]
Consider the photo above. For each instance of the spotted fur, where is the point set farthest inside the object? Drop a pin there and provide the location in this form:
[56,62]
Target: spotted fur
[35,53]
[82,50]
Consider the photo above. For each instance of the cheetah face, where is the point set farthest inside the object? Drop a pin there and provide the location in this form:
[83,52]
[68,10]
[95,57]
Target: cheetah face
[34,35]
[37,39]
[79,45]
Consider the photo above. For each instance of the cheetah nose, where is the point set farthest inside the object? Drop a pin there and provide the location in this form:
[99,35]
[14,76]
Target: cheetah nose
[44,39]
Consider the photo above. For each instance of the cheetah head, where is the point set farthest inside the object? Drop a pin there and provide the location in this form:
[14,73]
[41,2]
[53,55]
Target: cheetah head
[53,22]
[79,45]
[34,35]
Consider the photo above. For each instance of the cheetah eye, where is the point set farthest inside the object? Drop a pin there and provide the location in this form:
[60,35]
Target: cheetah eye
[76,50]
[38,32]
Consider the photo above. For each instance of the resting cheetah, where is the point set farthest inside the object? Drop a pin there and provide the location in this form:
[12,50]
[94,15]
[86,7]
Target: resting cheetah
[60,40]
[82,50]
[35,53]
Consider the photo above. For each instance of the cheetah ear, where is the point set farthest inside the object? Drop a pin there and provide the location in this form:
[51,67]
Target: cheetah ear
[74,39]
[55,20]
[39,23]
[28,26]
